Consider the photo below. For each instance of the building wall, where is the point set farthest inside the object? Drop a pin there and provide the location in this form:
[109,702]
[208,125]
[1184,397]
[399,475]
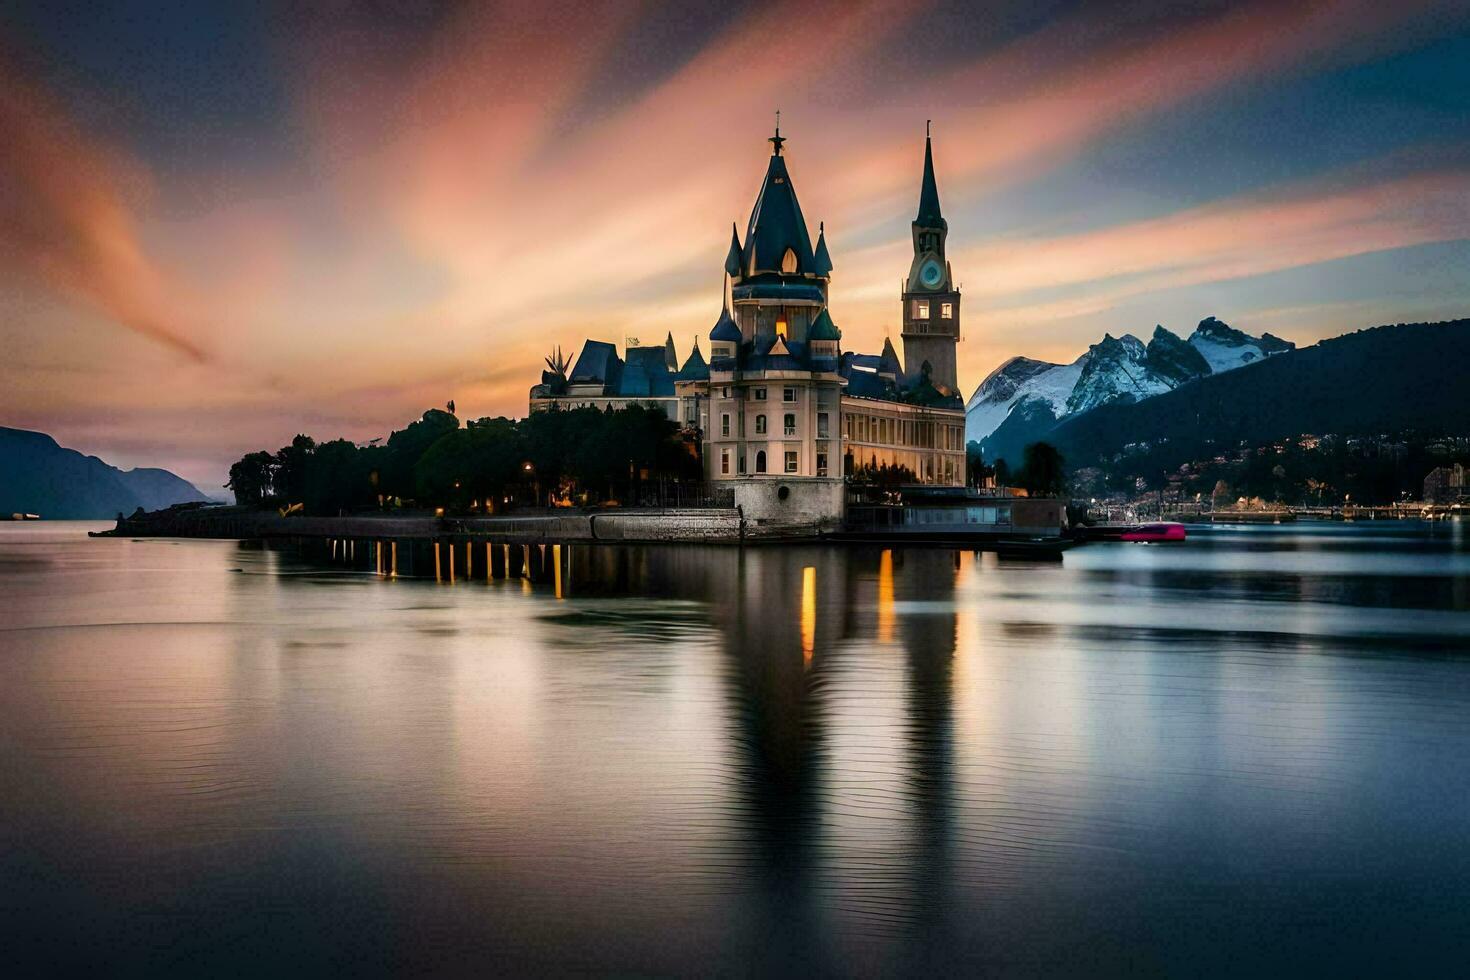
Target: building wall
[929,441]
[813,396]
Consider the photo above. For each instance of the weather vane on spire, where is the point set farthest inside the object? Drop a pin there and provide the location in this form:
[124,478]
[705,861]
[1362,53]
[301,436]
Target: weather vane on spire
[778,139]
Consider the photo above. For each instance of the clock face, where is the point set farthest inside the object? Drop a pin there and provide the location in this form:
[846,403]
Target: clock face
[930,273]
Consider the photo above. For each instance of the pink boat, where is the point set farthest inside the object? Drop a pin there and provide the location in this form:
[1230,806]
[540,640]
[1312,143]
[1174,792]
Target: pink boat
[1154,532]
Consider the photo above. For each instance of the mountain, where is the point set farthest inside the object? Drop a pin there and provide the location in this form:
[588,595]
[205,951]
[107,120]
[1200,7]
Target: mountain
[1024,398]
[1381,380]
[37,476]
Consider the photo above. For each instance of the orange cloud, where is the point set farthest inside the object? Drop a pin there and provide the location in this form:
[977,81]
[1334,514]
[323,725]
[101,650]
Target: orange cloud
[66,219]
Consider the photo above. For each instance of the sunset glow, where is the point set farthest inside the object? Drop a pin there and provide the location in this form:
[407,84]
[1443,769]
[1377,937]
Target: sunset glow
[329,226]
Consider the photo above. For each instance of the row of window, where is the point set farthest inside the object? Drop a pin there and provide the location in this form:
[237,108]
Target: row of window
[788,394]
[788,424]
[792,462]
[921,310]
[888,431]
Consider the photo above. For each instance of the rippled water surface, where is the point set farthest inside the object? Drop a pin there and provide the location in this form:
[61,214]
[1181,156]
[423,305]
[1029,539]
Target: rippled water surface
[1249,753]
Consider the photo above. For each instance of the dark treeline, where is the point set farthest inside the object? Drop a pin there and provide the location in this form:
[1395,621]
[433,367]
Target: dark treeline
[1303,471]
[581,456]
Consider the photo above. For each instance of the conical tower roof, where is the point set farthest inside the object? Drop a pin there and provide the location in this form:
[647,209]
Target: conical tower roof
[776,222]
[822,262]
[888,362]
[733,256]
[929,214]
[695,368]
[823,328]
[725,327]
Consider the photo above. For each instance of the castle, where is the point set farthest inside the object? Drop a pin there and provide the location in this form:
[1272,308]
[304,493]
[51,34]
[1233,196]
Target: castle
[783,414]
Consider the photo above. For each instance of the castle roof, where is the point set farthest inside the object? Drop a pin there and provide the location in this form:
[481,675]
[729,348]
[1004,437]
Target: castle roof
[695,368]
[725,327]
[645,374]
[598,363]
[929,214]
[822,262]
[823,328]
[776,224]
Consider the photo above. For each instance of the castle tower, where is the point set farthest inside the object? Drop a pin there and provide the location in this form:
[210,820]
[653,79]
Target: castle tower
[931,301]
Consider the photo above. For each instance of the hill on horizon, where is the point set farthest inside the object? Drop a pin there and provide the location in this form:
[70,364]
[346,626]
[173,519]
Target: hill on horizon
[38,476]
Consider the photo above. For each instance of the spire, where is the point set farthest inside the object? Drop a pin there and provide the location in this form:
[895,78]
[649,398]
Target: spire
[888,362]
[671,356]
[822,264]
[732,257]
[929,213]
[778,139]
[776,223]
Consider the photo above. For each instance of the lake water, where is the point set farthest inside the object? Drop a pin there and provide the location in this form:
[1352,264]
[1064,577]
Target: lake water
[1246,754]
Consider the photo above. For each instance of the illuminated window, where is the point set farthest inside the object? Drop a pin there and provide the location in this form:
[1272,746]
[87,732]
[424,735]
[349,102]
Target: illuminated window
[921,309]
[791,462]
[946,311]
[790,424]
[760,461]
[760,424]
[781,328]
[788,261]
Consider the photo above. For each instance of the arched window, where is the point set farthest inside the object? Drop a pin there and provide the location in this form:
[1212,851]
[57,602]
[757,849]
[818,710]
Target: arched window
[760,424]
[788,261]
[760,461]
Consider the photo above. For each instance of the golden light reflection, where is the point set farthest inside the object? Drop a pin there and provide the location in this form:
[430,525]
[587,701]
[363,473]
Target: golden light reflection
[437,576]
[885,597]
[469,559]
[967,615]
[393,553]
[556,561]
[808,613]
[489,564]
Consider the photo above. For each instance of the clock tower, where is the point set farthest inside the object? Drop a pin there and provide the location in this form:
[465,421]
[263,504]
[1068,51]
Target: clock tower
[931,301]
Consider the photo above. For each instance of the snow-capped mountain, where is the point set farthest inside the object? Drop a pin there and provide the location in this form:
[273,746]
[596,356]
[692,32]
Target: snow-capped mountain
[1026,397]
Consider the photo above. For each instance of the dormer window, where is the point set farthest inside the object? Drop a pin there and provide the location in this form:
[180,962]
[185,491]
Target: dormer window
[788,261]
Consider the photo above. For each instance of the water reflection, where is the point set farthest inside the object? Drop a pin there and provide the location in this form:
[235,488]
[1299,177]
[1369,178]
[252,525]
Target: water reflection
[1242,756]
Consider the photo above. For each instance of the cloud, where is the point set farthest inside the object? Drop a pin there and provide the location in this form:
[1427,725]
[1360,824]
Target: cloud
[66,219]
[445,206]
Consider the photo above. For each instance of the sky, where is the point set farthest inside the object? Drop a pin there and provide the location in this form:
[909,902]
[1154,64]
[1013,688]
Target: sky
[224,224]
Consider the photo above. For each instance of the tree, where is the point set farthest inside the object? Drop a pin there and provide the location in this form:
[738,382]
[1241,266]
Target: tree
[974,465]
[252,478]
[292,464]
[407,445]
[1043,473]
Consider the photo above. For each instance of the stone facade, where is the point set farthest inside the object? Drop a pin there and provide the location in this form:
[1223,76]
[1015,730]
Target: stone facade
[782,413]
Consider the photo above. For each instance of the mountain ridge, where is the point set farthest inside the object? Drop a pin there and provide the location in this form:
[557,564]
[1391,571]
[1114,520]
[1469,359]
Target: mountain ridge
[1025,397]
[40,476]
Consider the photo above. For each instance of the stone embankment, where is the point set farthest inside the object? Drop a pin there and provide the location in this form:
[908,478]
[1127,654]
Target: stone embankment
[722,525]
